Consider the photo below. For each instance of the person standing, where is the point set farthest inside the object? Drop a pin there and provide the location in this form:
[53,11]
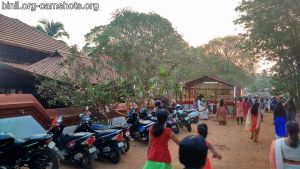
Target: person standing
[279,120]
[222,112]
[159,156]
[239,111]
[253,121]
[262,107]
[290,109]
[246,106]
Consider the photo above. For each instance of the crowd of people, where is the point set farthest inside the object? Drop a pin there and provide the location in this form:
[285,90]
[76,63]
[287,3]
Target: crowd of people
[285,150]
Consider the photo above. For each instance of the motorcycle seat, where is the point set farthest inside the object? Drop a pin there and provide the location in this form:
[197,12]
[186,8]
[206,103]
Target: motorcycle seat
[189,111]
[103,133]
[29,140]
[145,122]
[72,136]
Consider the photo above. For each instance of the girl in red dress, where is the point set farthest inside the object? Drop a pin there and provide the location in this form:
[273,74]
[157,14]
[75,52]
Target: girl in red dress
[158,154]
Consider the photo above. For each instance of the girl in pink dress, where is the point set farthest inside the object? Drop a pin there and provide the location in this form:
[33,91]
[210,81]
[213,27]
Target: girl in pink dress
[239,111]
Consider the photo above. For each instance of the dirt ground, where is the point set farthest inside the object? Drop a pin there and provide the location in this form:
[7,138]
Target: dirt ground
[232,141]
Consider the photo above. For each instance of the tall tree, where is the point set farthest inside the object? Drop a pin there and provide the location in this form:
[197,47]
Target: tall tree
[273,27]
[52,29]
[137,42]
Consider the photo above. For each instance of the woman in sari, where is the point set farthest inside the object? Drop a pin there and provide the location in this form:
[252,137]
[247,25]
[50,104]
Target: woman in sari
[253,121]
[285,152]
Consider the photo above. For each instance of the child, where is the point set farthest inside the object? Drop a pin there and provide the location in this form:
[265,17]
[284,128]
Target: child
[203,131]
[192,152]
[158,153]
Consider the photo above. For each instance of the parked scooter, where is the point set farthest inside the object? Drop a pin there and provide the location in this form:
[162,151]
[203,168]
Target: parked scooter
[192,113]
[34,152]
[109,142]
[183,119]
[172,123]
[74,147]
[139,128]
[125,130]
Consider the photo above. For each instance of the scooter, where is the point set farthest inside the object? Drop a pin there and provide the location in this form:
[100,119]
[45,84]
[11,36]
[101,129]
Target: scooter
[172,123]
[109,142]
[139,128]
[74,147]
[125,130]
[183,119]
[192,113]
[34,152]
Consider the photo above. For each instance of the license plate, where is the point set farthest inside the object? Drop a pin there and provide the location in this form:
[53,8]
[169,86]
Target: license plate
[51,145]
[92,150]
[121,144]
[186,118]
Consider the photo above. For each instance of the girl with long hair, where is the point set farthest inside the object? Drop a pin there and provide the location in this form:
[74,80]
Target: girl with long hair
[222,113]
[279,120]
[159,156]
[253,121]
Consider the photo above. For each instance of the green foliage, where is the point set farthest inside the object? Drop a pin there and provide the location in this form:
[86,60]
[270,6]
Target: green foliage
[273,28]
[52,29]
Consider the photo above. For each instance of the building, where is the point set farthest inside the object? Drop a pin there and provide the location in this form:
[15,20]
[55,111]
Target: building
[26,53]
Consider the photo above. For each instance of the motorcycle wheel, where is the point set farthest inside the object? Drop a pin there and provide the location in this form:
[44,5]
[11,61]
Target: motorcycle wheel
[86,162]
[127,145]
[115,156]
[180,125]
[189,127]
[43,159]
[196,119]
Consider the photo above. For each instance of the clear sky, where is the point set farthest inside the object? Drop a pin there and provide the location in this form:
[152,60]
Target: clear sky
[198,21]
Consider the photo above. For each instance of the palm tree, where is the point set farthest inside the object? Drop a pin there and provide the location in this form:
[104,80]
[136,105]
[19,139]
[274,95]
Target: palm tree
[52,29]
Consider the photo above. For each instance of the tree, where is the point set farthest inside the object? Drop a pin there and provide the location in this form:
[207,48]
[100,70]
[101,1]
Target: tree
[52,29]
[137,43]
[273,27]
[83,82]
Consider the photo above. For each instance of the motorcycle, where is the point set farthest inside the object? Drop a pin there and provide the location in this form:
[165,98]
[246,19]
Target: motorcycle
[74,147]
[139,128]
[109,142]
[183,119]
[192,113]
[124,128]
[34,152]
[172,123]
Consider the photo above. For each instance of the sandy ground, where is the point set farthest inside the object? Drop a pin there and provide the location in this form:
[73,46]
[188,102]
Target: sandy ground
[232,141]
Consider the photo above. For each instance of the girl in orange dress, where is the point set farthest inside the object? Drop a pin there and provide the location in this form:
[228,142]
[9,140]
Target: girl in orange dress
[253,121]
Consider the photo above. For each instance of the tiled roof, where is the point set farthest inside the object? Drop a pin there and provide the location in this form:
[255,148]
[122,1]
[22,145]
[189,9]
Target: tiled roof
[16,33]
[206,78]
[51,67]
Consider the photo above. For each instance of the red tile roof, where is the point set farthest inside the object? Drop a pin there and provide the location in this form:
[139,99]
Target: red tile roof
[16,33]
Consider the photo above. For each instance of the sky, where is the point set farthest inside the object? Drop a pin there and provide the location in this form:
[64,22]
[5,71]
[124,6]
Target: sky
[198,21]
